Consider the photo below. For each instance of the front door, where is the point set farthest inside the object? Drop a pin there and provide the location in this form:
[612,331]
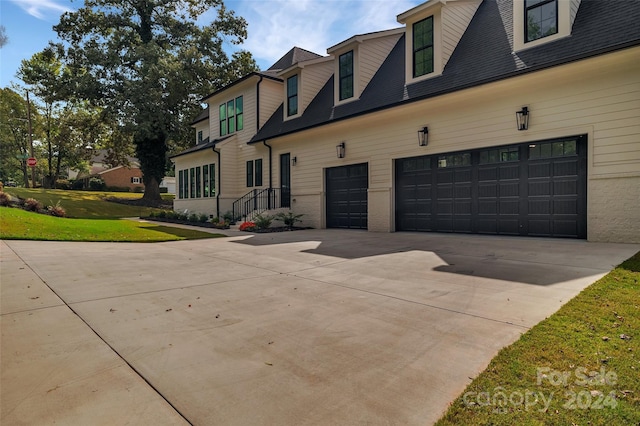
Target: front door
[285,180]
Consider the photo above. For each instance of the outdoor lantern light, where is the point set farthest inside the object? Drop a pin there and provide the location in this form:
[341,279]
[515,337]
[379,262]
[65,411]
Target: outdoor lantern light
[294,160]
[340,149]
[423,136]
[522,118]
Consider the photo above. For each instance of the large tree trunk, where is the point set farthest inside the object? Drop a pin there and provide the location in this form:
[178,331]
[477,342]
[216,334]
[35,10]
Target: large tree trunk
[151,151]
[152,190]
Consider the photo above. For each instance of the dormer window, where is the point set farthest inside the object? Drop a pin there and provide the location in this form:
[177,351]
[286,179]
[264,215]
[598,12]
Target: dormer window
[537,22]
[423,47]
[541,19]
[200,136]
[292,95]
[346,75]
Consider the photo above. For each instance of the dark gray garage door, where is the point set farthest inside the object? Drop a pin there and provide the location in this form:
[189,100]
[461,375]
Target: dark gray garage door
[534,189]
[347,196]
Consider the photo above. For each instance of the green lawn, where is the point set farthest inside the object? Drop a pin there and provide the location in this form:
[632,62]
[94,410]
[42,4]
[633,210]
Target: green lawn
[86,204]
[581,366]
[17,224]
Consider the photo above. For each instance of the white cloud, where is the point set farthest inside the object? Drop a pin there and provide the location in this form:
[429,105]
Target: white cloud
[47,10]
[275,26]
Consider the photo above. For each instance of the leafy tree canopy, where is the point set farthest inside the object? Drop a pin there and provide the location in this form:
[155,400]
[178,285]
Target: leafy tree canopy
[149,62]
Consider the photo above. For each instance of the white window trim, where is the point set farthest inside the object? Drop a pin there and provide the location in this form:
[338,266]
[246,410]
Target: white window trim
[286,95]
[564,26]
[437,45]
[356,74]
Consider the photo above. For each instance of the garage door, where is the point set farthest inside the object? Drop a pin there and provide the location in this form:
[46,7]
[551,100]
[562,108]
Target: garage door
[533,189]
[347,196]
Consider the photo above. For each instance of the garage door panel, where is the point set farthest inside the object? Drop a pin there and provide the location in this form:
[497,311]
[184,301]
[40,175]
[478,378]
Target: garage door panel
[565,168]
[565,187]
[527,189]
[565,207]
[487,207]
[509,189]
[346,189]
[510,172]
[541,169]
[537,189]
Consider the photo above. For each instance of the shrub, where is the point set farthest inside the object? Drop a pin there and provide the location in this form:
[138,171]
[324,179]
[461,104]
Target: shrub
[162,214]
[182,216]
[63,184]
[203,218]
[5,199]
[228,217]
[118,189]
[32,205]
[96,184]
[172,215]
[57,210]
[289,218]
[263,222]
[138,189]
[193,217]
[164,190]
[247,226]
[77,184]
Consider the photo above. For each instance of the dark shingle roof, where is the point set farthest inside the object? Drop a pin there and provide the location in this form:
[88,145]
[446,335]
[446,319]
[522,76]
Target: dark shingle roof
[204,115]
[292,57]
[484,54]
[205,144]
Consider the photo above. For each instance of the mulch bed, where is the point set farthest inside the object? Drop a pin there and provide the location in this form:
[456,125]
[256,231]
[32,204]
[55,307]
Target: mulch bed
[212,225]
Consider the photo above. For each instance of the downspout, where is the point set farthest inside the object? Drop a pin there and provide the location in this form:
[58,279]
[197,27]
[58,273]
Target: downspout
[270,167]
[219,183]
[271,194]
[258,104]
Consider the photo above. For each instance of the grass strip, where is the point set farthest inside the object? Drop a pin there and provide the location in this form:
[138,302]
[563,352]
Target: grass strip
[580,366]
[86,204]
[17,224]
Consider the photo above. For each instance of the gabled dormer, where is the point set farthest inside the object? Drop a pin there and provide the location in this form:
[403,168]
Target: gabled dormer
[303,80]
[433,31]
[537,22]
[201,126]
[356,60]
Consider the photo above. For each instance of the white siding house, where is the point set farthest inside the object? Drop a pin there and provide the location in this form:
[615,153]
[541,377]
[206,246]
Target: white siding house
[426,117]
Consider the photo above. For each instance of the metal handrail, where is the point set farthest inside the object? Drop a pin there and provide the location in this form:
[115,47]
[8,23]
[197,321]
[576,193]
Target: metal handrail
[255,202]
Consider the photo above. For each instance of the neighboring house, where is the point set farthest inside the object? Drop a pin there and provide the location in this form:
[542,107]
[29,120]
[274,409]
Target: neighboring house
[169,182]
[129,176]
[463,120]
[123,177]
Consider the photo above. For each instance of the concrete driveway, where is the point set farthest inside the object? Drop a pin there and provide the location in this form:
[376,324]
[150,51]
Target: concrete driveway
[300,328]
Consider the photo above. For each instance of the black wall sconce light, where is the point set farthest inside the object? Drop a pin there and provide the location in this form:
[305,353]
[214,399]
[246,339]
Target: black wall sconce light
[522,118]
[423,136]
[294,160]
[340,149]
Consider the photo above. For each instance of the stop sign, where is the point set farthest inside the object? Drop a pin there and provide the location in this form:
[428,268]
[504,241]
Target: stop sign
[31,162]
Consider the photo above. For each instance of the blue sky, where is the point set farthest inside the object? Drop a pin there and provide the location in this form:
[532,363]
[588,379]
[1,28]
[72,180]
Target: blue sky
[275,26]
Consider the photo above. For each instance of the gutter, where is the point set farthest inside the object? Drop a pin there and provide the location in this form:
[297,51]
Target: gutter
[506,76]
[219,183]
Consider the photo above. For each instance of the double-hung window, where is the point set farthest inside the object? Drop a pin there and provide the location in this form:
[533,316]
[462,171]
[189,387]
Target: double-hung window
[254,173]
[292,95]
[346,75]
[231,116]
[423,47]
[541,19]
[249,174]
